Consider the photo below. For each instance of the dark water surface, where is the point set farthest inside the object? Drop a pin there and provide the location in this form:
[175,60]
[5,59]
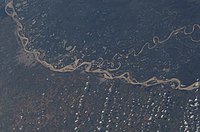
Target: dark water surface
[34,98]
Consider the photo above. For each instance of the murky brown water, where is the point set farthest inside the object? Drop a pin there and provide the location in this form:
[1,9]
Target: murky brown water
[34,98]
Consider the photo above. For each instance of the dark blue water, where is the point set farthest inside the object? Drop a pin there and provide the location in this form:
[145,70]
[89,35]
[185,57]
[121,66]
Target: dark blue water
[2,10]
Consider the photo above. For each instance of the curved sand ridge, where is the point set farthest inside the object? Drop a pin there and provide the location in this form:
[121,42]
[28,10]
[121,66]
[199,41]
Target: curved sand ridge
[107,74]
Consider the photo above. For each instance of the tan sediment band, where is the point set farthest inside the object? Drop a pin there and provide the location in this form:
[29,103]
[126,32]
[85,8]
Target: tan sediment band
[10,10]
